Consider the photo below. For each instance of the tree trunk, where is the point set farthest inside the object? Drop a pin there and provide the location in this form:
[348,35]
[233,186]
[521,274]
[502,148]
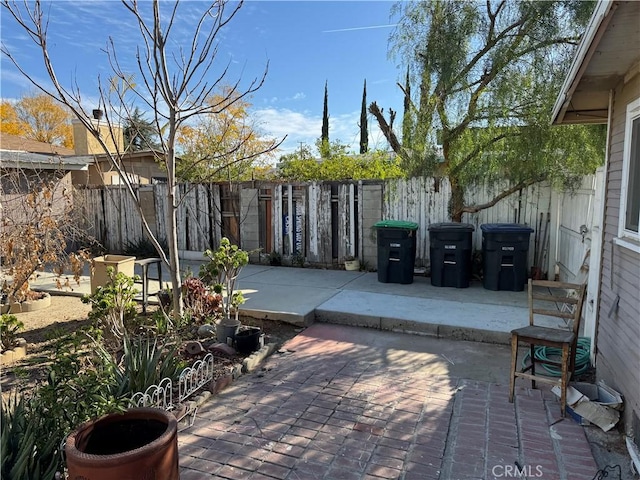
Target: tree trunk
[172,221]
[456,202]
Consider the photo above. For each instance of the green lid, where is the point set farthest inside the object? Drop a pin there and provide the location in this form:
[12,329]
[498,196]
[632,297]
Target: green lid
[397,224]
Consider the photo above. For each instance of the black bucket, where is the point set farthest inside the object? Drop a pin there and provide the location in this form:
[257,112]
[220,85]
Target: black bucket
[248,340]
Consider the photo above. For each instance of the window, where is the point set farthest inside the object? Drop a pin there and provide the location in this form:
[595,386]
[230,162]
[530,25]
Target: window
[630,192]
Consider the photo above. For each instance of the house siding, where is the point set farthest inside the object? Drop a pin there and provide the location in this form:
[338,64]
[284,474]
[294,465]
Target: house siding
[618,356]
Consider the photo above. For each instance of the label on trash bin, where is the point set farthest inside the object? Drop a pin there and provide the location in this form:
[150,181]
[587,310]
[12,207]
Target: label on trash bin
[450,247]
[395,245]
[508,249]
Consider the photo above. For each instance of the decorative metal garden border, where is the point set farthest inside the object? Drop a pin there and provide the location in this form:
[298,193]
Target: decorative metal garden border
[191,380]
[195,377]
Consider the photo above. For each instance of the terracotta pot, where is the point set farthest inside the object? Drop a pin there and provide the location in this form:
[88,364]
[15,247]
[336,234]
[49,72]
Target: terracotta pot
[140,443]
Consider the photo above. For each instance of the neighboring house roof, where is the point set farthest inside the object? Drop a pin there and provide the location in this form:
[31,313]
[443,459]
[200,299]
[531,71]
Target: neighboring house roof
[40,161]
[14,142]
[154,155]
[608,53]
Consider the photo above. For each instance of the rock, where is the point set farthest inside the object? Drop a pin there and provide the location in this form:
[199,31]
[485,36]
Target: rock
[207,331]
[222,349]
[194,348]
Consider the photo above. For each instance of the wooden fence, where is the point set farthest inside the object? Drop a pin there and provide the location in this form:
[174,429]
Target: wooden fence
[322,222]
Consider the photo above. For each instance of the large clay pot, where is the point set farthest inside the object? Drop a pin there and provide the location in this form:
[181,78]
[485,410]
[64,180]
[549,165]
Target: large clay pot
[141,443]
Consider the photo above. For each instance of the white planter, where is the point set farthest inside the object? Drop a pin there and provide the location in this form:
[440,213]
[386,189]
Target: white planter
[352,265]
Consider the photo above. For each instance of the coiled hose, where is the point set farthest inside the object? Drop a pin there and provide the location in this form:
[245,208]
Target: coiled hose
[546,353]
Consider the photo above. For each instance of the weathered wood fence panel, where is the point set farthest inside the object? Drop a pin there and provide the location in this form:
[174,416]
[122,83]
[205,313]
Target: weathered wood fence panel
[575,219]
[310,221]
[319,223]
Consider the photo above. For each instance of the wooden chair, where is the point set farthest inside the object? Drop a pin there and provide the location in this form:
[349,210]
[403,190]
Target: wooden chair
[567,299]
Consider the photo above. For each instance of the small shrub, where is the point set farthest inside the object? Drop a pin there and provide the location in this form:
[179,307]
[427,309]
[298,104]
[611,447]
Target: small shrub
[145,362]
[221,272]
[275,259]
[199,301]
[9,328]
[113,306]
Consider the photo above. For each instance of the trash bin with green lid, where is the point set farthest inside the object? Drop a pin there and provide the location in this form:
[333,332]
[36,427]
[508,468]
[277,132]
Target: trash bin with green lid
[396,250]
[450,246]
[505,247]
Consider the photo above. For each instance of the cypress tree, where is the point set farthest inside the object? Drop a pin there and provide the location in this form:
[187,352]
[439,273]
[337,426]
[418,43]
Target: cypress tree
[364,127]
[407,117]
[324,139]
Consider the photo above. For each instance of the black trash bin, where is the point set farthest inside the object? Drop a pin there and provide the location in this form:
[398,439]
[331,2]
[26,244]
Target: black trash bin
[396,251]
[450,246]
[505,248]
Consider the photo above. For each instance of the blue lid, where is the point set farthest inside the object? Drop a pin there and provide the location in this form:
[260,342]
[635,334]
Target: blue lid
[505,228]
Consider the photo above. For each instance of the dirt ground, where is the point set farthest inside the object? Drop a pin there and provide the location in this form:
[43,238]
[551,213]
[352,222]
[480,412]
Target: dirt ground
[67,314]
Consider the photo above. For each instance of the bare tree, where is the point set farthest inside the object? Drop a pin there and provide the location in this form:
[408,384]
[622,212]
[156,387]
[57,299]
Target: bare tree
[174,77]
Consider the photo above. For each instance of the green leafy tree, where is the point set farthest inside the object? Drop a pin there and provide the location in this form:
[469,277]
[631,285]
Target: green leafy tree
[364,125]
[486,102]
[140,133]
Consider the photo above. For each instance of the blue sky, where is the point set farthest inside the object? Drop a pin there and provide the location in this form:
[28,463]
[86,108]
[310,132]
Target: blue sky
[305,42]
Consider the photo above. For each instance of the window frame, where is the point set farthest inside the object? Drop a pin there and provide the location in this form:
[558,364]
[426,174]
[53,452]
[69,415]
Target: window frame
[628,237]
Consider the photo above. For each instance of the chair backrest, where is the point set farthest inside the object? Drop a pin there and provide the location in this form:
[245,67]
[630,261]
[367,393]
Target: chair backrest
[550,299]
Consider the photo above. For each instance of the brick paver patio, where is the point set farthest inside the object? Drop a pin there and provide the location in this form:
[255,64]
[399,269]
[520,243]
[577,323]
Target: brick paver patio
[331,409]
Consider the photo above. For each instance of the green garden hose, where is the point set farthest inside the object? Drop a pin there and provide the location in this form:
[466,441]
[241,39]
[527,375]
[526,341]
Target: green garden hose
[547,353]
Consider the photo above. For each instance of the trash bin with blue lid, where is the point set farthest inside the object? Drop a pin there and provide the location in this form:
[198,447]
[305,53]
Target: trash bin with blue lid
[450,246]
[505,247]
[396,250]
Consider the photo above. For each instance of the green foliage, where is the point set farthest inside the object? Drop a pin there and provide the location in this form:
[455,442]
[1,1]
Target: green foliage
[364,125]
[140,133]
[9,328]
[222,270]
[28,449]
[339,165]
[145,362]
[487,102]
[324,137]
[275,258]
[113,305]
[80,385]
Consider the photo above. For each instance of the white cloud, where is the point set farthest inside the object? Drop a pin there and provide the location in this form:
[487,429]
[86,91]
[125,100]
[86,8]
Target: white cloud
[299,96]
[302,127]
